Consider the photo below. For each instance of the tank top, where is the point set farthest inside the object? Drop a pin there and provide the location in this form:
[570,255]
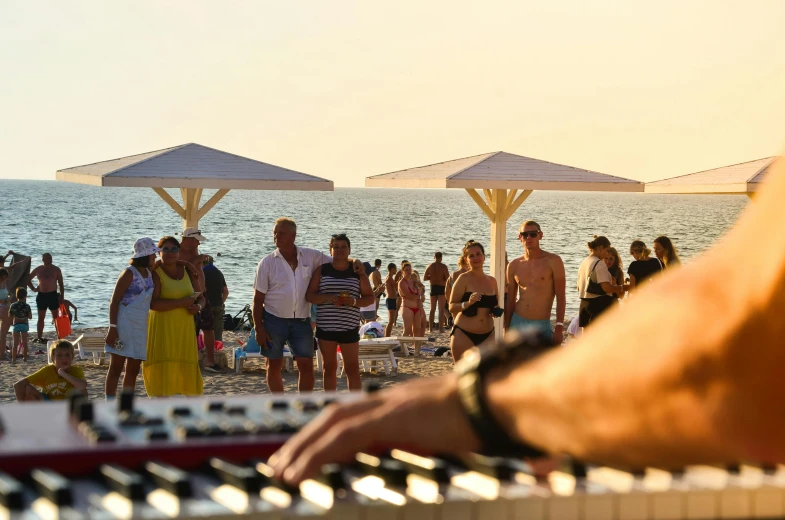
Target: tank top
[336,318]
[138,286]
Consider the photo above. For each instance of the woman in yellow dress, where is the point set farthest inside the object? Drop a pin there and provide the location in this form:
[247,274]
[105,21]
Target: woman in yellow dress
[172,365]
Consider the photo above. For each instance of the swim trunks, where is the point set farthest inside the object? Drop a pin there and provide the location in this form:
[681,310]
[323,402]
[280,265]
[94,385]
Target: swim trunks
[48,300]
[540,328]
[21,327]
[391,304]
[437,290]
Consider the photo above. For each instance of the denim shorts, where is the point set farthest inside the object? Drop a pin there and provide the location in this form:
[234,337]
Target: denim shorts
[296,332]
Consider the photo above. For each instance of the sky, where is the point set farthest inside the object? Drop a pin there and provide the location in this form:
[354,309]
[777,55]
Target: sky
[346,89]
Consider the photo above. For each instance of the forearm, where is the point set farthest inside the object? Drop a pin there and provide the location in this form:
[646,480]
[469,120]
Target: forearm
[79,384]
[257,312]
[561,306]
[19,389]
[696,398]
[113,308]
[364,301]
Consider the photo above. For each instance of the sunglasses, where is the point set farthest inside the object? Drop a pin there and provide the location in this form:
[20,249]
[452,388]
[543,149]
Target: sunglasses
[174,249]
[528,234]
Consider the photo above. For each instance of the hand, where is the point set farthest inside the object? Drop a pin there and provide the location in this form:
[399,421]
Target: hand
[358,267]
[193,309]
[433,423]
[474,298]
[61,371]
[111,336]
[262,338]
[558,335]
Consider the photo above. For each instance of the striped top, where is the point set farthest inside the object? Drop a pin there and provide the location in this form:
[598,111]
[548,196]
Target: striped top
[334,318]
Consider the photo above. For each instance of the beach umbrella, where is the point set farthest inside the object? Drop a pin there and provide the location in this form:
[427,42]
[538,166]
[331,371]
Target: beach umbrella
[743,179]
[506,180]
[192,168]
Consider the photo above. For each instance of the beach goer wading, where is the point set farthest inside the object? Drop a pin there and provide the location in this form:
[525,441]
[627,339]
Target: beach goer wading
[534,280]
[49,278]
[338,292]
[129,309]
[666,252]
[172,364]
[475,302]
[411,307]
[437,273]
[281,314]
[643,267]
[392,301]
[595,285]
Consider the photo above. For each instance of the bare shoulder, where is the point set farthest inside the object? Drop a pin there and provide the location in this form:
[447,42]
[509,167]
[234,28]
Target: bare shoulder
[554,260]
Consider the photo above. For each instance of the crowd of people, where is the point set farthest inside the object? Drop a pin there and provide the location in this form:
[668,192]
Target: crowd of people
[306,299]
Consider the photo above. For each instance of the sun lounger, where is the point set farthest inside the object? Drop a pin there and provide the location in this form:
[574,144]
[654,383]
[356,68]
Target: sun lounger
[371,351]
[240,355]
[91,346]
[404,340]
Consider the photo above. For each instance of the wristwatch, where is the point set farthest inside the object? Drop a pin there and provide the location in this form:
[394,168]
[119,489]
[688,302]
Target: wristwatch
[472,370]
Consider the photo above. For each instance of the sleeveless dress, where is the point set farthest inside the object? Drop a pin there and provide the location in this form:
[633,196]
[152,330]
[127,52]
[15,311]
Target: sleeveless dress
[172,365]
[132,315]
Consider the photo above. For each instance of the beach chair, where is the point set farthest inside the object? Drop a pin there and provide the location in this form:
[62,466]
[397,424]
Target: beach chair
[91,345]
[406,340]
[379,350]
[240,355]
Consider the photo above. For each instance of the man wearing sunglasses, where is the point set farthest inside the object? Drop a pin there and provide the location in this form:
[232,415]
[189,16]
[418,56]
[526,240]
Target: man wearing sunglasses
[533,281]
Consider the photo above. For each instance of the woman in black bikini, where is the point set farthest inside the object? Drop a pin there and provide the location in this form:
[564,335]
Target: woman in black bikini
[412,305]
[474,302]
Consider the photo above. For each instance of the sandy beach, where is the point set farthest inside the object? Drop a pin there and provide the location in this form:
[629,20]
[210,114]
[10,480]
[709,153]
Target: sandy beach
[251,381]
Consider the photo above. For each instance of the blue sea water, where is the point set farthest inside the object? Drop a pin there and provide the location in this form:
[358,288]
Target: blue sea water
[90,230]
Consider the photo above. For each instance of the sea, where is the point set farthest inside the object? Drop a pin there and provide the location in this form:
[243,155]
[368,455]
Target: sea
[90,230]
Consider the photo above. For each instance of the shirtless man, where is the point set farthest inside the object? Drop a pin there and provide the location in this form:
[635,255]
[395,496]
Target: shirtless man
[438,274]
[393,303]
[376,281]
[49,277]
[538,277]
[189,252]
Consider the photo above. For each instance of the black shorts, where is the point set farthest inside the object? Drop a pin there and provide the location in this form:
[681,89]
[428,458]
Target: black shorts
[342,336]
[48,300]
[204,319]
[392,304]
[437,290]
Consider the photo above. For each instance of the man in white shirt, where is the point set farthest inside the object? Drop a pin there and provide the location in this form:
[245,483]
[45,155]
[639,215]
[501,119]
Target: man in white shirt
[280,312]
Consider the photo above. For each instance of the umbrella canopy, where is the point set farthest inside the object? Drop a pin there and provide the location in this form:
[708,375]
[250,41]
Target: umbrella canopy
[506,180]
[744,178]
[192,168]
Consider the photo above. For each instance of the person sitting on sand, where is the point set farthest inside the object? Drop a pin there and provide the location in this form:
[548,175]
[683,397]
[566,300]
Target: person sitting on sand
[49,278]
[21,313]
[55,380]
[475,302]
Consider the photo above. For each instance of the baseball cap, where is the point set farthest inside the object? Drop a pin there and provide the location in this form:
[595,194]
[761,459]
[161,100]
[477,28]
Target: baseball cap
[145,247]
[193,232]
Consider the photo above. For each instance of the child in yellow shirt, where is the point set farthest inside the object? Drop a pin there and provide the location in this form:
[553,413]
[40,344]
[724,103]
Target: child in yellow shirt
[56,380]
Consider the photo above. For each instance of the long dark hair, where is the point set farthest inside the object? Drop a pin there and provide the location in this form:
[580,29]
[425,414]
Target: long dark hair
[143,261]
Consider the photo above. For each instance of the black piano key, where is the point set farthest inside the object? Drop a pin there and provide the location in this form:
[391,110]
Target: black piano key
[578,469]
[242,477]
[169,478]
[307,406]
[124,481]
[234,410]
[83,411]
[98,435]
[189,431]
[126,401]
[427,467]
[156,434]
[495,467]
[53,486]
[393,472]
[180,411]
[278,404]
[331,475]
[10,493]
[267,478]
[214,406]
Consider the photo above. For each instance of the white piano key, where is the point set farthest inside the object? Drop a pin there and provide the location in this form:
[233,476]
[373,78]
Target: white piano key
[768,499]
[703,494]
[666,495]
[564,503]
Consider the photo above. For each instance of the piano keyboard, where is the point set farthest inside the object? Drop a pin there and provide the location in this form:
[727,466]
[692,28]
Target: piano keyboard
[117,470]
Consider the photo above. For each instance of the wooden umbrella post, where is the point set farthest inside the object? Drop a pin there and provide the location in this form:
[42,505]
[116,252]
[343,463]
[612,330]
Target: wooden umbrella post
[499,205]
[190,211]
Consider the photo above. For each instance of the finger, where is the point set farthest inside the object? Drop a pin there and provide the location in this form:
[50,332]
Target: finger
[316,429]
[332,446]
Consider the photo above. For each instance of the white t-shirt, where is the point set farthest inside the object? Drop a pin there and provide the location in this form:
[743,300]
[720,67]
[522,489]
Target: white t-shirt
[599,275]
[284,289]
[375,326]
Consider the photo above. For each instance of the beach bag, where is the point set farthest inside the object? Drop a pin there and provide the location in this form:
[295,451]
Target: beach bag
[62,323]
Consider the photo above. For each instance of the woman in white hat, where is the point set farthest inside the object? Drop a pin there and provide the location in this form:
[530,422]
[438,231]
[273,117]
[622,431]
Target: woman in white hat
[126,340]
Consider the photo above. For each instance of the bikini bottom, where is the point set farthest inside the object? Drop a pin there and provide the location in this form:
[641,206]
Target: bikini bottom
[476,339]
